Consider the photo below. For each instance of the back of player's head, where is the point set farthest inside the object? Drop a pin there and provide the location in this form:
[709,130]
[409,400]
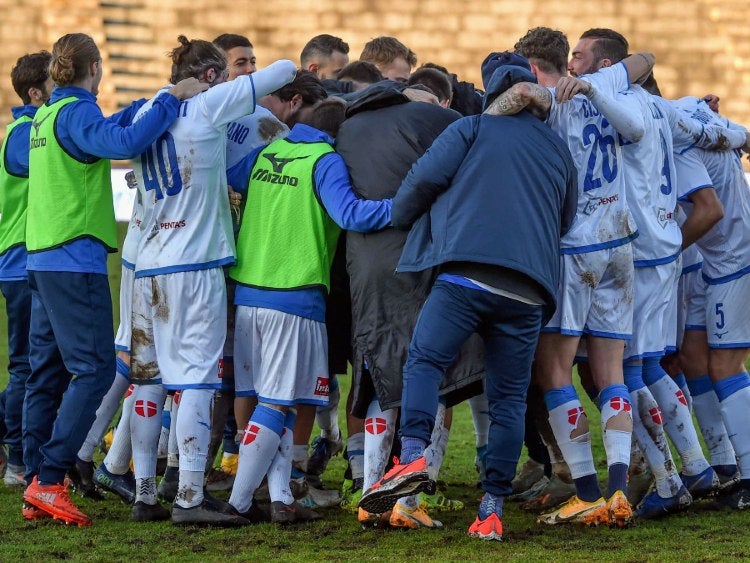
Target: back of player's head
[360,71]
[608,45]
[384,50]
[437,81]
[436,66]
[328,115]
[31,71]
[322,46]
[547,48]
[71,56]
[649,84]
[193,58]
[228,41]
[307,85]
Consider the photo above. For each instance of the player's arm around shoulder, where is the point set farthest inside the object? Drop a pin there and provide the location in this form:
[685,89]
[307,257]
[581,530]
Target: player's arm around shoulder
[521,96]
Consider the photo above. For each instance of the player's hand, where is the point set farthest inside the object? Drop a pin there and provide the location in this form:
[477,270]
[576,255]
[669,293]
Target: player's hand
[713,102]
[188,88]
[130,180]
[569,86]
[417,95]
[235,201]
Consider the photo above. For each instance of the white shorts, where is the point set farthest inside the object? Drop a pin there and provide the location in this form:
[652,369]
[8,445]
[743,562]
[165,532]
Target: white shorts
[727,313]
[595,295]
[122,340]
[654,311]
[179,327]
[280,358]
[691,296]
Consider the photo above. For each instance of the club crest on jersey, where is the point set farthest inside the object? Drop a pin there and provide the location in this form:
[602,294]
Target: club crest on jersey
[574,415]
[251,433]
[681,397]
[663,217]
[656,415]
[375,425]
[144,408]
[620,404]
[322,387]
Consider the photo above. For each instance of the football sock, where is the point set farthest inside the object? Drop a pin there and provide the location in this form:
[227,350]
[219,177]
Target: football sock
[681,382]
[435,450]
[734,396]
[617,429]
[328,417]
[380,427]
[490,504]
[117,460]
[145,490]
[299,457]
[708,412]
[411,449]
[106,411]
[193,439]
[145,425]
[480,413]
[260,442]
[355,450]
[570,427]
[281,467]
[173,454]
[678,422]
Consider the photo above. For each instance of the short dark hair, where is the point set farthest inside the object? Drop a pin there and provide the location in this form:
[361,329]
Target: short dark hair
[609,44]
[545,47]
[324,45]
[31,71]
[436,66]
[360,71]
[384,50]
[307,85]
[228,41]
[328,115]
[435,80]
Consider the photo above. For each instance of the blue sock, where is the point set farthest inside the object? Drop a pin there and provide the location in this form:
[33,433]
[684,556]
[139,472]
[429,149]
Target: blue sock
[411,449]
[587,488]
[490,504]
[618,478]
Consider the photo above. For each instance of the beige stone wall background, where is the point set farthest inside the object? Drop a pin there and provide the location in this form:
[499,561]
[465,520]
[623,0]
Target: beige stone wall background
[701,46]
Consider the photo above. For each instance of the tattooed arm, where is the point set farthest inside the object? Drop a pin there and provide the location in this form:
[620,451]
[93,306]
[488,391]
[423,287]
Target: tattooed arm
[524,95]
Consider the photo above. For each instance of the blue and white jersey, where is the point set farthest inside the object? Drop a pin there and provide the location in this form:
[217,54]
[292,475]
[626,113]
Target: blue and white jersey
[252,131]
[649,179]
[187,223]
[133,235]
[726,247]
[603,219]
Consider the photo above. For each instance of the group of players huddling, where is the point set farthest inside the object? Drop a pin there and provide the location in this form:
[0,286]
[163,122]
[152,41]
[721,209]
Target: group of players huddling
[238,288]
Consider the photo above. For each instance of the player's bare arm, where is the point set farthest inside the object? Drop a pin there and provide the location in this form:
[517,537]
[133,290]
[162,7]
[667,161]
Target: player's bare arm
[524,95]
[187,88]
[569,86]
[639,65]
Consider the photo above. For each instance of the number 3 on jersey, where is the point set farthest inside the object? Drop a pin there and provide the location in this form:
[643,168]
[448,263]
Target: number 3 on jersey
[159,166]
[604,146]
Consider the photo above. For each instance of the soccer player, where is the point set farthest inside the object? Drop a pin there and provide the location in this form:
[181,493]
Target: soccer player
[240,54]
[69,230]
[186,240]
[325,55]
[391,57]
[32,83]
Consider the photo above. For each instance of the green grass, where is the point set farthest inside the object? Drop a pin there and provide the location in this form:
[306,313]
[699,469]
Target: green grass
[695,535]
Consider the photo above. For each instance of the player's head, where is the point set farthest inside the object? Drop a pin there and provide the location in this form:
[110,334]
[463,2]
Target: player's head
[393,59]
[361,74]
[76,60]
[198,59]
[31,79]
[292,103]
[547,50]
[240,54]
[325,55]
[597,48]
[437,81]
[650,85]
[327,115]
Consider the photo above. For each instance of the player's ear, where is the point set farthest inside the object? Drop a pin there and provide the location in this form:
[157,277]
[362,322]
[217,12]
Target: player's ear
[296,103]
[605,63]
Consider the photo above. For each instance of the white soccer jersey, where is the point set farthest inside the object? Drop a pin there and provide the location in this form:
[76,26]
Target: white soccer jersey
[603,219]
[133,236]
[649,178]
[726,247]
[252,131]
[187,223]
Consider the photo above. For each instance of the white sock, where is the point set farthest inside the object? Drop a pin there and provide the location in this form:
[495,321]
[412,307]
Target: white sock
[145,425]
[678,424]
[564,420]
[117,460]
[259,445]
[614,401]
[355,449]
[193,439]
[707,410]
[480,413]
[435,450]
[735,409]
[380,427]
[299,456]
[145,490]
[163,448]
[281,466]
[173,453]
[649,432]
[104,415]
[328,417]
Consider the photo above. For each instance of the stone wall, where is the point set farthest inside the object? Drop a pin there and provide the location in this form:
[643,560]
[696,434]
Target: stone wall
[702,46]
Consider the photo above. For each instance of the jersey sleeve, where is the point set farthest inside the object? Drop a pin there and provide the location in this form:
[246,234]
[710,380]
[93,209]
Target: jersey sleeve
[609,80]
[691,174]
